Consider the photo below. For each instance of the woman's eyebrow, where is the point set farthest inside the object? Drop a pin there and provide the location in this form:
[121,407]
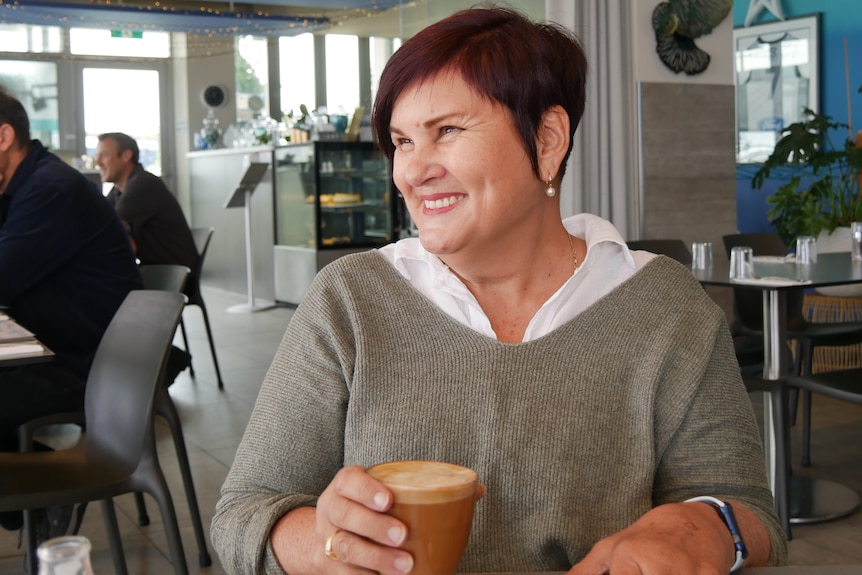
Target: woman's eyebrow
[442,118]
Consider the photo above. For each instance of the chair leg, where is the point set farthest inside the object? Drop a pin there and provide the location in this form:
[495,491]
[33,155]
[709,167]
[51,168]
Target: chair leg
[808,349]
[168,410]
[186,344]
[31,562]
[113,528]
[212,344]
[794,403]
[143,516]
[806,428]
[153,481]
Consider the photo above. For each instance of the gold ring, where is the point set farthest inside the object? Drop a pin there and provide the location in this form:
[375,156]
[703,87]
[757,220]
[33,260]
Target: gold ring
[328,547]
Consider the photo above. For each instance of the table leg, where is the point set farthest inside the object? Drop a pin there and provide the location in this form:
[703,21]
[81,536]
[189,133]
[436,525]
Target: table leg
[775,426]
[815,500]
[805,499]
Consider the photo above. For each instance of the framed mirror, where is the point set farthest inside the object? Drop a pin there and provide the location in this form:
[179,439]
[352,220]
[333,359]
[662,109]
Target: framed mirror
[776,79]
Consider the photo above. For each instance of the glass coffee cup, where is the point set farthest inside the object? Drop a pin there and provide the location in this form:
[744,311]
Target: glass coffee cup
[435,500]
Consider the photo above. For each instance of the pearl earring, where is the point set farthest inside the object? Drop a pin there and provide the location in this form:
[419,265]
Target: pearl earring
[550,191]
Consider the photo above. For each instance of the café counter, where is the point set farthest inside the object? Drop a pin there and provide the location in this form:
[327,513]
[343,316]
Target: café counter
[213,176]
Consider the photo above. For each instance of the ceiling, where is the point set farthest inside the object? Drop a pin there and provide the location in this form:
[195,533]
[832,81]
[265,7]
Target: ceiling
[260,17]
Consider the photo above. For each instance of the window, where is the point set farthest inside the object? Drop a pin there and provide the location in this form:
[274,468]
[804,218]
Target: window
[296,70]
[252,78]
[381,49]
[33,39]
[342,73]
[34,84]
[119,43]
[137,113]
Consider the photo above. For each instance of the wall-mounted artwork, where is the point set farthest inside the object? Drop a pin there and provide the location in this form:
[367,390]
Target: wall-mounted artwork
[776,78]
[677,23]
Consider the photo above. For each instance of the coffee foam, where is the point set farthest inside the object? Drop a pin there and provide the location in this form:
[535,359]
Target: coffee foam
[425,482]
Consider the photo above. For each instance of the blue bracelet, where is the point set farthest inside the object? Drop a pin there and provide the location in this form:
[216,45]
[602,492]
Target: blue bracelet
[725,511]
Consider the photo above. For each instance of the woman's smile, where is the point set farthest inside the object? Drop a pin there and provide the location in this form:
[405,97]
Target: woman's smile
[438,204]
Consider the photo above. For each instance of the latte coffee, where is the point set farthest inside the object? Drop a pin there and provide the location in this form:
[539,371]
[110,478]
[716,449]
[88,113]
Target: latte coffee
[435,500]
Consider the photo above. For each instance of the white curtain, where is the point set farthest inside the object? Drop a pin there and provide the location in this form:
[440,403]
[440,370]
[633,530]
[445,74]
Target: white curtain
[602,176]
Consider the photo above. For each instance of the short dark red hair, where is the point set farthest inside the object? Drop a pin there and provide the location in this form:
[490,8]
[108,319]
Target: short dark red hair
[525,66]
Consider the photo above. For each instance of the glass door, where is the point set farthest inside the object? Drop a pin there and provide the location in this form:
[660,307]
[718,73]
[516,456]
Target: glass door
[118,100]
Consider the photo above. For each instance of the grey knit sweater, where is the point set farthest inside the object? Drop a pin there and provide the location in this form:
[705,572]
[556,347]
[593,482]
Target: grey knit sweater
[635,402]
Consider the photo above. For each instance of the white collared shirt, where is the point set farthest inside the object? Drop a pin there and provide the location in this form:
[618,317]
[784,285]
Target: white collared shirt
[608,263]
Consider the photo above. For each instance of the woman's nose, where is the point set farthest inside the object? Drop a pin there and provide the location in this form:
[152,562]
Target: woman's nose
[419,167]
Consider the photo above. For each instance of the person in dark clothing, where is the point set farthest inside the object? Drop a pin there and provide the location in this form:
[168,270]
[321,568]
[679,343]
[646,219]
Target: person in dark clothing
[154,219]
[65,268]
[157,228]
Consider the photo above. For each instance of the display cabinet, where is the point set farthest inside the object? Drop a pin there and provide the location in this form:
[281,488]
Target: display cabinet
[331,199]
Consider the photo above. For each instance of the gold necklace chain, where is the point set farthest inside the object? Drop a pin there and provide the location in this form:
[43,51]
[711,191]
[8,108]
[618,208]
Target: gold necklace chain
[574,253]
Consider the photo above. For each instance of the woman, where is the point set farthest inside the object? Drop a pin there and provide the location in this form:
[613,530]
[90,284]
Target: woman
[594,390]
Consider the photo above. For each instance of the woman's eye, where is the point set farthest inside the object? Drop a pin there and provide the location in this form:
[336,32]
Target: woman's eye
[449,129]
[401,143]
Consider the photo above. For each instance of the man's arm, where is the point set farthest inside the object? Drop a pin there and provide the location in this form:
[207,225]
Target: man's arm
[33,239]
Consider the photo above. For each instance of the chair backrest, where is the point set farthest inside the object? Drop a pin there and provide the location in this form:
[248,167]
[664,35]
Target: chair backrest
[202,241]
[675,249]
[202,238]
[130,360]
[763,244]
[748,303]
[168,277]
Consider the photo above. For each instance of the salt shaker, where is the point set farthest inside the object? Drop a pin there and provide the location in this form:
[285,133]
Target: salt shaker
[68,555]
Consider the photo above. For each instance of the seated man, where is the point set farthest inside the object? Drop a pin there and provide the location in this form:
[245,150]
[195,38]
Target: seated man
[157,227]
[65,268]
[154,219]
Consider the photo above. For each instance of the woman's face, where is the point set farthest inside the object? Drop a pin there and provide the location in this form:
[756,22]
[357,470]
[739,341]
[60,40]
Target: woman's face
[459,162]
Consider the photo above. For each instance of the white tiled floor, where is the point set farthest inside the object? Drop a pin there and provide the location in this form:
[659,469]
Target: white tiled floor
[214,421]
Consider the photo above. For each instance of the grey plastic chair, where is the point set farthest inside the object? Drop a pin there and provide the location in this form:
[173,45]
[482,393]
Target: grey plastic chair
[173,278]
[675,249]
[202,238]
[117,454]
[168,277]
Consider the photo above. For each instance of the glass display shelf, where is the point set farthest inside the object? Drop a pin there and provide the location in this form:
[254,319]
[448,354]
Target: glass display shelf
[331,199]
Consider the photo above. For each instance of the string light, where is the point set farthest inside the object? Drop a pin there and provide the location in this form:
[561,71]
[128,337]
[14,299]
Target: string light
[195,18]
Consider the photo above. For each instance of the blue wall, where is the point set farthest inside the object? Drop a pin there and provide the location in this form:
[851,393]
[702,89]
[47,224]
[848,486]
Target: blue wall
[838,18]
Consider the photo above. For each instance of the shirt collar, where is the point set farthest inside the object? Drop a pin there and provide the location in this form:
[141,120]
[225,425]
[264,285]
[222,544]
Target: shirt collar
[407,253]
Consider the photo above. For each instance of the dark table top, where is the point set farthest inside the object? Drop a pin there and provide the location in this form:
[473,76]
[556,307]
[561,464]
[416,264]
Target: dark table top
[830,269]
[788,570]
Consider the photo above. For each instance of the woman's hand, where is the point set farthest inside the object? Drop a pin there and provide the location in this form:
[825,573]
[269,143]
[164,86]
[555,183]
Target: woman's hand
[673,538]
[350,513]
[350,522]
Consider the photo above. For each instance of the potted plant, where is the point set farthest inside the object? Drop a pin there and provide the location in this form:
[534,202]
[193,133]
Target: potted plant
[823,190]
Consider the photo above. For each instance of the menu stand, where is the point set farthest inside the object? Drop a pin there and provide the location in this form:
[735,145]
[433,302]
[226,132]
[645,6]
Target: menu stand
[241,197]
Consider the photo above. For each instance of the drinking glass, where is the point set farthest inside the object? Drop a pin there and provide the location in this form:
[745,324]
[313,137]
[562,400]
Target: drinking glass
[856,240]
[701,255]
[806,250]
[740,262]
[68,555]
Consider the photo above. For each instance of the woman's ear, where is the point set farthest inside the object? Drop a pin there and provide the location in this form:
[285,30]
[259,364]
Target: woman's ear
[552,142]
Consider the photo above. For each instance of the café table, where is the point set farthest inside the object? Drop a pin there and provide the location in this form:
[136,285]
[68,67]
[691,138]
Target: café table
[810,500]
[16,349]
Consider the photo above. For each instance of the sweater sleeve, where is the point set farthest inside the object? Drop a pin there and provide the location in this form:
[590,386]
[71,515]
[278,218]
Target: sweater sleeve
[718,414]
[304,395]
